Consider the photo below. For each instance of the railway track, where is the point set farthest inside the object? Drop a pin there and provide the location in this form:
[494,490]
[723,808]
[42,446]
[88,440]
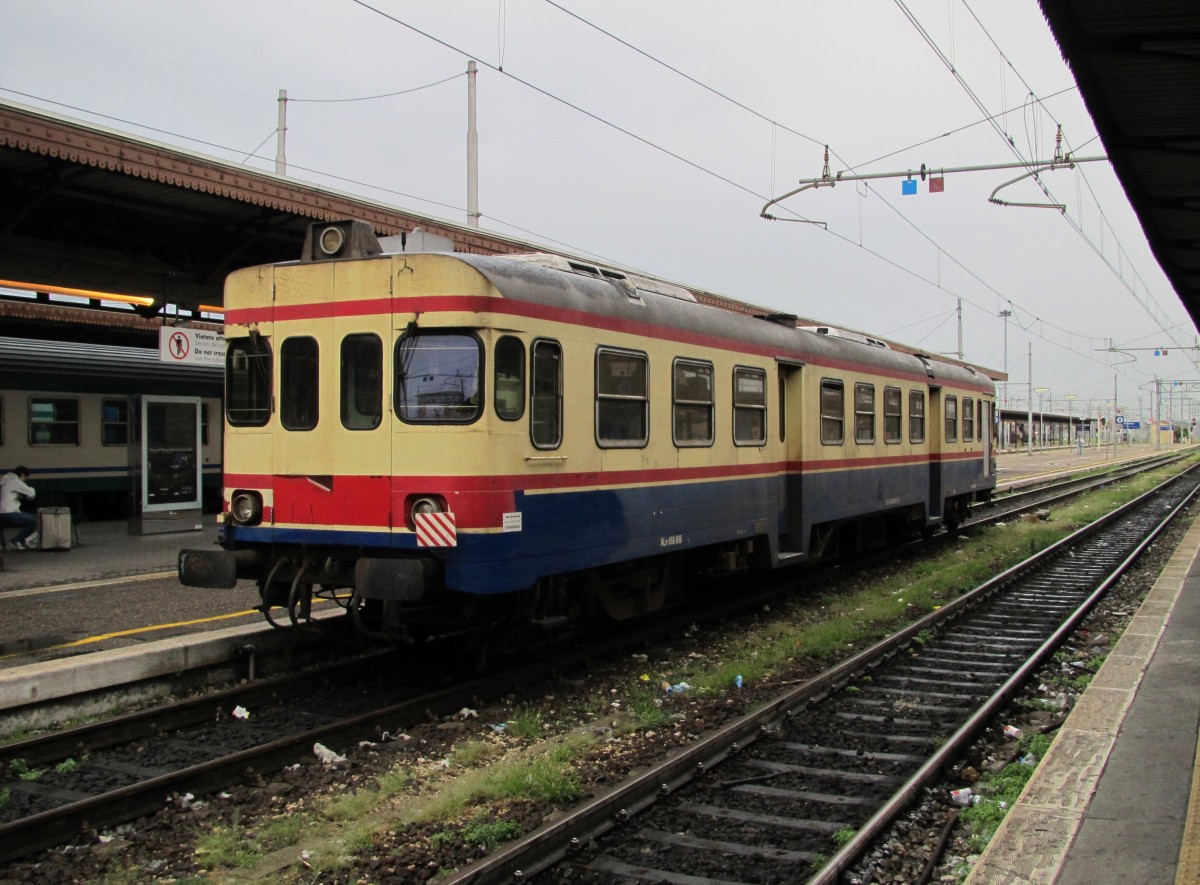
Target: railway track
[1018,501]
[200,746]
[770,797]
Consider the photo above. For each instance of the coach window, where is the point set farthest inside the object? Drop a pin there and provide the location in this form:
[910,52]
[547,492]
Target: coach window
[114,422]
[892,418]
[298,375]
[916,416]
[968,419]
[248,382]
[509,381]
[951,419]
[622,399]
[362,382]
[545,395]
[833,412]
[53,421]
[693,403]
[437,377]
[864,413]
[749,406]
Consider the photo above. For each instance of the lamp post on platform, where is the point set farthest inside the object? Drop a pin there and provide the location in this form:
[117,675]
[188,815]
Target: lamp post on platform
[1041,392]
[1004,315]
[1070,398]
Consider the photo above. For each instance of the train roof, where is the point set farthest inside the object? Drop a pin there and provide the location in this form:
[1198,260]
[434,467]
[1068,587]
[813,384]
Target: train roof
[29,364]
[629,299]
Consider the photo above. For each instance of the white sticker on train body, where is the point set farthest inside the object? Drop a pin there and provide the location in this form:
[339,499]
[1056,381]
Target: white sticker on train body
[512,522]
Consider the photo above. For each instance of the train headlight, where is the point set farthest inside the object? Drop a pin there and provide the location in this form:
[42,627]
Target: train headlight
[424,504]
[245,508]
[331,240]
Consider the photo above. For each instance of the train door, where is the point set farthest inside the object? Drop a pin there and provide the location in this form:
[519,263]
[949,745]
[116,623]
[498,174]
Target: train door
[792,422]
[166,462]
[985,425]
[935,424]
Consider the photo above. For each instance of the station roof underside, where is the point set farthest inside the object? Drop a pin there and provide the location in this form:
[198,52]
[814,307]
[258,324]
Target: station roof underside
[1137,64]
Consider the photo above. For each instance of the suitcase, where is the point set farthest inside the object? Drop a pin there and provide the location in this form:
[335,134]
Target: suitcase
[54,528]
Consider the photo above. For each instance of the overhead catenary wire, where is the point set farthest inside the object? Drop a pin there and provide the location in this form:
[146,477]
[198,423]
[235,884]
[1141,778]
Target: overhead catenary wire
[874,253]
[1152,306]
[988,118]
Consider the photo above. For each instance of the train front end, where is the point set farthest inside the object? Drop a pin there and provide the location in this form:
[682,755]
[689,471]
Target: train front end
[356,440]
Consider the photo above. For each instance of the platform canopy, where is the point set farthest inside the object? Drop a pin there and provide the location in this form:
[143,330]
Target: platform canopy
[1137,64]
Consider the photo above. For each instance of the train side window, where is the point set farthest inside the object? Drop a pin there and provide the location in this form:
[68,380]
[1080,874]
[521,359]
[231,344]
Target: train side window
[833,412]
[545,395]
[951,419]
[203,424]
[749,406]
[622,399]
[968,419]
[362,382]
[916,416]
[693,403]
[509,382]
[53,421]
[248,372]
[298,383]
[864,413]
[114,422]
[893,419]
[437,377]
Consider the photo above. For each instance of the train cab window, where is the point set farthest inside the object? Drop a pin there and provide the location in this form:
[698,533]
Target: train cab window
[916,416]
[299,383]
[362,382]
[114,422]
[951,419]
[864,413]
[545,395]
[53,421]
[833,412]
[622,399]
[437,377]
[749,406]
[508,385]
[893,419]
[248,382]
[693,403]
[968,419]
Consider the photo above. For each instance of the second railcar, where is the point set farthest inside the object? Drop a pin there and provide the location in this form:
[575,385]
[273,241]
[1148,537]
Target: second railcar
[68,413]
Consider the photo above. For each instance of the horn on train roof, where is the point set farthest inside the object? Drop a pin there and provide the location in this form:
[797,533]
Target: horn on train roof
[326,240]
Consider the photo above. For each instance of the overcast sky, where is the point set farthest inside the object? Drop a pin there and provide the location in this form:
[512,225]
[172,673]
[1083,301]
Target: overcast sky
[650,134]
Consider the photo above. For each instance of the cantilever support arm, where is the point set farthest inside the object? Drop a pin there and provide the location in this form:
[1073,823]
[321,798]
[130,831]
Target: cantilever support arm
[1061,207]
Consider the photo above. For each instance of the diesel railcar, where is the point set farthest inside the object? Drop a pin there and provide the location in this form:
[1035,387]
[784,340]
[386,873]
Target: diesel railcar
[447,439]
[68,412]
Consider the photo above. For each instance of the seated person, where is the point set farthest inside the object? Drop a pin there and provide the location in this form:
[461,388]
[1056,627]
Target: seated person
[12,489]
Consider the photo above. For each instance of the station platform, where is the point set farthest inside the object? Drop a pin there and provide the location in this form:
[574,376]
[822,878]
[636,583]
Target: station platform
[105,551]
[1116,801]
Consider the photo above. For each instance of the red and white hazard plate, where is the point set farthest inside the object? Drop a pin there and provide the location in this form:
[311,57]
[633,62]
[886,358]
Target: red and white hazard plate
[436,530]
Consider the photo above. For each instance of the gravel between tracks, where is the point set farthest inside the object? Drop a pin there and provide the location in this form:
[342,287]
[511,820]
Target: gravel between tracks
[163,848]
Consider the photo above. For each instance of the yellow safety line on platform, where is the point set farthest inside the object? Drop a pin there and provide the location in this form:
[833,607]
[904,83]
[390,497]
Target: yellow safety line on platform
[134,631]
[1187,872]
